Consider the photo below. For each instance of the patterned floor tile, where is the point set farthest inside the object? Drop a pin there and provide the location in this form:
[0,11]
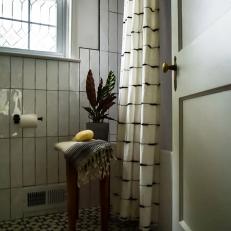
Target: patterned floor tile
[89,220]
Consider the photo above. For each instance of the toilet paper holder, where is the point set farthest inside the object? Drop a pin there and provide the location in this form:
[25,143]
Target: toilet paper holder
[17,118]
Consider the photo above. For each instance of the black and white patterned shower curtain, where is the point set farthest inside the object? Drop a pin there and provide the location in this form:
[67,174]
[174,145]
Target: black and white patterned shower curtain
[135,192]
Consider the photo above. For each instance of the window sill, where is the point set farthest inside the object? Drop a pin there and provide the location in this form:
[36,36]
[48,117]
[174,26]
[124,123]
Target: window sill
[38,56]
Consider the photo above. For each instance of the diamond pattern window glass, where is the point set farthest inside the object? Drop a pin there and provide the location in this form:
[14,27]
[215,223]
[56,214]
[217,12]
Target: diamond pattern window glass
[32,24]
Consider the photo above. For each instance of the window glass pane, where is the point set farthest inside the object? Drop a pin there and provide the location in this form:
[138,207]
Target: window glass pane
[42,38]
[15,9]
[31,24]
[44,11]
[13,34]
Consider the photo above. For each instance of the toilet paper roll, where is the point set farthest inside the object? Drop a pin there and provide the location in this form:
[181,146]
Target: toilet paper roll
[28,121]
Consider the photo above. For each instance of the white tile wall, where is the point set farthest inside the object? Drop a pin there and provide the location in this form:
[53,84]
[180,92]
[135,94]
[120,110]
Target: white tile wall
[52,113]
[87,23]
[63,113]
[84,67]
[16,72]
[113,32]
[113,5]
[104,26]
[104,5]
[41,110]
[16,163]
[29,73]
[52,161]
[5,204]
[74,77]
[4,112]
[27,155]
[28,161]
[5,72]
[52,75]
[40,161]
[64,76]
[5,163]
[74,113]
[120,6]
[120,32]
[16,203]
[41,74]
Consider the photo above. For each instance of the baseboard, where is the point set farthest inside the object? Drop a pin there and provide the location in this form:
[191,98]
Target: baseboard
[165,223]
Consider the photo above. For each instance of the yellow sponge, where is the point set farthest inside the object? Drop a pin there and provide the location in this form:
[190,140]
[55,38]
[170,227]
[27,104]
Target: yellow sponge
[84,135]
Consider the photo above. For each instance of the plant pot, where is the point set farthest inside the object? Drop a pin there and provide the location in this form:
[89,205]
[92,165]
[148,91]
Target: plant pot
[101,130]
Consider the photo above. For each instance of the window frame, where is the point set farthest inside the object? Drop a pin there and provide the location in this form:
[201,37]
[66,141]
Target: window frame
[61,36]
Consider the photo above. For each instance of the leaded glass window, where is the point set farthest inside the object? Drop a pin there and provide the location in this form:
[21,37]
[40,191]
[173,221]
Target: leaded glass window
[32,24]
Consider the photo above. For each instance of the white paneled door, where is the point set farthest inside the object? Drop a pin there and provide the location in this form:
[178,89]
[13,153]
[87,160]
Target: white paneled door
[201,35]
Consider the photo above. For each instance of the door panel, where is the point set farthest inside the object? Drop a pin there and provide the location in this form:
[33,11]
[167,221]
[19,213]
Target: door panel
[202,115]
[205,12]
[204,169]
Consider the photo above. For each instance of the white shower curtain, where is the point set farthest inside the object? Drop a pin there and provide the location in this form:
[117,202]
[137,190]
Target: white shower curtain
[135,191]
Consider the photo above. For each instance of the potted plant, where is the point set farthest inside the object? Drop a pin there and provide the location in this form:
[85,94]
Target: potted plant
[100,102]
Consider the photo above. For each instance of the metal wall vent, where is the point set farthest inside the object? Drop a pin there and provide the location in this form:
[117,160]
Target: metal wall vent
[55,196]
[49,197]
[36,198]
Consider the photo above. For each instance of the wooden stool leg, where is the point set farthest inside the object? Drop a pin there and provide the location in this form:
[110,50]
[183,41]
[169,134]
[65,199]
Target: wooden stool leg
[72,196]
[104,202]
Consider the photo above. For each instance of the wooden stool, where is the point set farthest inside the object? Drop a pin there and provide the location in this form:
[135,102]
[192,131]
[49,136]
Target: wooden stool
[73,198]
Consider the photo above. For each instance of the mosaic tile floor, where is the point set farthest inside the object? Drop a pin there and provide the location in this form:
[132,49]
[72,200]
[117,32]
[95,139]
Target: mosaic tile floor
[89,221]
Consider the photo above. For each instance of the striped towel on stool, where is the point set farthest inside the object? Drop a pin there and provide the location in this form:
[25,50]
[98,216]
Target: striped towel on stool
[91,159]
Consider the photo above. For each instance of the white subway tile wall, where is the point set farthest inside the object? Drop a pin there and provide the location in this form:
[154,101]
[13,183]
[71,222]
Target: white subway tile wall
[5,204]
[16,72]
[29,73]
[16,162]
[40,160]
[40,67]
[4,112]
[5,164]
[84,67]
[41,110]
[56,91]
[52,161]
[28,162]
[51,90]
[64,76]
[113,32]
[5,71]
[16,200]
[113,6]
[104,25]
[52,75]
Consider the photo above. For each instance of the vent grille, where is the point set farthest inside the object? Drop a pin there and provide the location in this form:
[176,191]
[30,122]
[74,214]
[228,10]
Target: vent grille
[49,197]
[36,198]
[55,196]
